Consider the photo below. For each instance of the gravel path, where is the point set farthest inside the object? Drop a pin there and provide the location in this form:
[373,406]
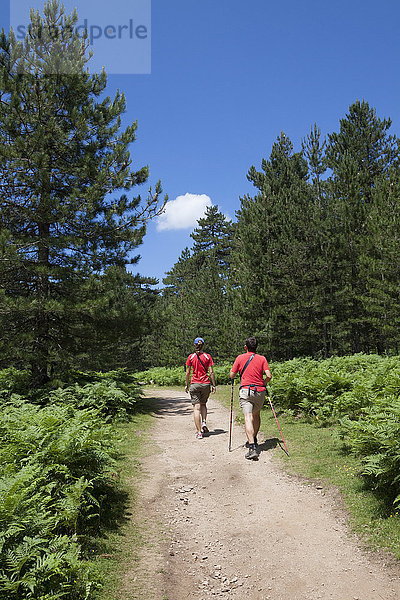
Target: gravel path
[219,526]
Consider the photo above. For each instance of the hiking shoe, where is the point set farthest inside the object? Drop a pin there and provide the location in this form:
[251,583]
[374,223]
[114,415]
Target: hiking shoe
[247,445]
[252,454]
[204,429]
[199,435]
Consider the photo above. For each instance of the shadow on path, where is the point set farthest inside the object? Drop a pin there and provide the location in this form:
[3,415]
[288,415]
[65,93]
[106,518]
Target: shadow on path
[216,432]
[163,407]
[167,406]
[269,444]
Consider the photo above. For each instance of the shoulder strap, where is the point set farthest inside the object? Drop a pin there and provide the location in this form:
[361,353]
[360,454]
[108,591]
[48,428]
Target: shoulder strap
[202,364]
[246,365]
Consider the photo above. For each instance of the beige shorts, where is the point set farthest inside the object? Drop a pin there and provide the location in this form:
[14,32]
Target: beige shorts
[251,402]
[199,392]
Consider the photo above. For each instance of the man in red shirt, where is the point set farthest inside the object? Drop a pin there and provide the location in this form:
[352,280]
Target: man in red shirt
[252,369]
[202,382]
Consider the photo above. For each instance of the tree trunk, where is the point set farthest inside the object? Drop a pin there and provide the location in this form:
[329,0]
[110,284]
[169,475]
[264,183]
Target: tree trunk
[40,362]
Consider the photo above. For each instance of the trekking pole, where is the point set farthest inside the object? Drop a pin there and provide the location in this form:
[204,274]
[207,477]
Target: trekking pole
[230,417]
[277,422]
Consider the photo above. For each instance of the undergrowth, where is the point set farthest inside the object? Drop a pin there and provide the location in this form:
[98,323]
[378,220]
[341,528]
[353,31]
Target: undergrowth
[60,490]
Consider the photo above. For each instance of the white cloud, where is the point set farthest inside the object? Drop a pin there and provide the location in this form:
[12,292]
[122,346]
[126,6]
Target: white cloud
[183,212]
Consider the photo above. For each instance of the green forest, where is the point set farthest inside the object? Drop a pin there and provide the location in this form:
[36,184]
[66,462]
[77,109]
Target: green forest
[310,265]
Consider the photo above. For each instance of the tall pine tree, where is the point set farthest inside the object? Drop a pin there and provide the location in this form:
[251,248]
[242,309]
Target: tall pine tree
[65,176]
[361,156]
[272,271]
[194,301]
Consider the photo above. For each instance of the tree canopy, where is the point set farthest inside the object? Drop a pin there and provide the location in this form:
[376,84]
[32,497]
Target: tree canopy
[312,263]
[67,210]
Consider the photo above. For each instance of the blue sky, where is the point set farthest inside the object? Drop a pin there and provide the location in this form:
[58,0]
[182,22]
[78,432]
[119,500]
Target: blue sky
[228,76]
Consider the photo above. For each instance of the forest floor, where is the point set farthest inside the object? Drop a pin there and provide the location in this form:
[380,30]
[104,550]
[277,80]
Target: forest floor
[216,525]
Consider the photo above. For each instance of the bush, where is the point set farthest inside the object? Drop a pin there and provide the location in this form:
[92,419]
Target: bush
[112,401]
[44,569]
[162,376]
[58,488]
[13,381]
[362,394]
[121,377]
[335,387]
[375,437]
[55,476]
[114,394]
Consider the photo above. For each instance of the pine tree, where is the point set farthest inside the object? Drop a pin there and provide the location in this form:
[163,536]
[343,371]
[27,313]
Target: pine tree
[179,298]
[64,162]
[361,156]
[194,301]
[116,341]
[214,236]
[314,153]
[379,268]
[272,257]
[321,248]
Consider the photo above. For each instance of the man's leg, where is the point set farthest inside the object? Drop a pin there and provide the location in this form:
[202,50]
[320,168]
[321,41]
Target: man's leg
[197,416]
[248,411]
[247,408]
[203,411]
[256,421]
[256,406]
[249,426]
[251,432]
[252,425]
[205,393]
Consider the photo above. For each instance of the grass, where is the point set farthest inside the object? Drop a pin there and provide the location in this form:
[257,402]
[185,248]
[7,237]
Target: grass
[316,454]
[121,548]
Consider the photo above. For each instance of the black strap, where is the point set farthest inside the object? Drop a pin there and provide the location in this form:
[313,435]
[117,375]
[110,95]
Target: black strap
[202,364]
[243,370]
[246,365]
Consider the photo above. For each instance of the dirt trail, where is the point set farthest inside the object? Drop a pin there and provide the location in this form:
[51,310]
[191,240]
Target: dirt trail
[218,525]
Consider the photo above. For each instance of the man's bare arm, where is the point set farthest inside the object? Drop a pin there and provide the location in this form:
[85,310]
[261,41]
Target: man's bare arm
[212,377]
[188,375]
[268,376]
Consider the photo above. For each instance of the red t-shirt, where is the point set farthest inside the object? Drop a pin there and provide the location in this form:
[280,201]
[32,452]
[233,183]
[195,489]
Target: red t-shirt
[253,374]
[199,372]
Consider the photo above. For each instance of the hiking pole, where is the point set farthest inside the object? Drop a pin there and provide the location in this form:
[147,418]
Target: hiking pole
[277,422]
[230,417]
